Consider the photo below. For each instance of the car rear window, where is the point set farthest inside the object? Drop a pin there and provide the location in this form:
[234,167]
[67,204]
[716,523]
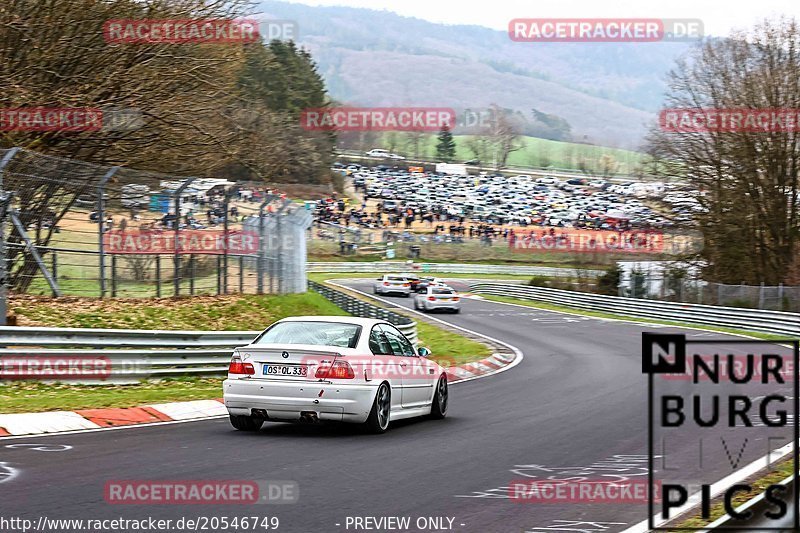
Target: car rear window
[312,332]
[442,291]
[395,278]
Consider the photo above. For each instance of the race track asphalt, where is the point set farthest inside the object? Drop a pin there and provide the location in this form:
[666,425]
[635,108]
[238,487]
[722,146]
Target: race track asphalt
[576,403]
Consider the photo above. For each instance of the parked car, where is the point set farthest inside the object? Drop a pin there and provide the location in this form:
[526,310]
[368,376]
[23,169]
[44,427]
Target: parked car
[392,284]
[361,363]
[438,298]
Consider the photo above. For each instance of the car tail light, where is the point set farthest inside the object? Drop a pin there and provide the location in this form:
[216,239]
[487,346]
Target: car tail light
[338,370]
[385,283]
[431,299]
[237,367]
[455,298]
[406,284]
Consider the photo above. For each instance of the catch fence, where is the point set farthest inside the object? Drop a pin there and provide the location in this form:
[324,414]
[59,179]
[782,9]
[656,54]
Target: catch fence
[69,227]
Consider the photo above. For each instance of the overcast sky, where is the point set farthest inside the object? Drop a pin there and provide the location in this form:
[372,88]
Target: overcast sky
[718,16]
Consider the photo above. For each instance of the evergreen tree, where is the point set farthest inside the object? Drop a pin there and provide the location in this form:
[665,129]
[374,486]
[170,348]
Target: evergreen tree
[446,147]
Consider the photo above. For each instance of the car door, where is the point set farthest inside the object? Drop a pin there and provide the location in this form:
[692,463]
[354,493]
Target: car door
[417,378]
[385,365]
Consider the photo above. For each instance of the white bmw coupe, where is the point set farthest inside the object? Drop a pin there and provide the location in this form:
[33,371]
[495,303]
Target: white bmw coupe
[336,368]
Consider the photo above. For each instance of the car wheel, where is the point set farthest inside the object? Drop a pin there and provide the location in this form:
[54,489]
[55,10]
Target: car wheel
[440,399]
[378,419]
[246,423]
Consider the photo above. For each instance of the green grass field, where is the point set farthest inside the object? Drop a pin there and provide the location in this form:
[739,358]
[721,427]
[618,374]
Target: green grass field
[535,152]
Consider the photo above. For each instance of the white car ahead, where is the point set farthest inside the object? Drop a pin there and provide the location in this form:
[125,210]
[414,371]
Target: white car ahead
[438,297]
[392,284]
[346,369]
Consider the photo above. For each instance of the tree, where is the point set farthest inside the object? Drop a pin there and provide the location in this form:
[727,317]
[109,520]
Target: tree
[608,282]
[497,137]
[446,147]
[748,180]
[228,111]
[415,142]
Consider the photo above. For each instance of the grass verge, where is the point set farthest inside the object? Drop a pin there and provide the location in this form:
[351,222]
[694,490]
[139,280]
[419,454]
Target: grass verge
[235,312]
[758,485]
[29,397]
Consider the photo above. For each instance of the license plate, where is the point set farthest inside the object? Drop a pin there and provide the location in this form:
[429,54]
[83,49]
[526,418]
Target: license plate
[286,370]
[444,299]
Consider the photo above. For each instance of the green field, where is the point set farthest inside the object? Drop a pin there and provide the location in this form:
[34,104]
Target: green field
[535,152]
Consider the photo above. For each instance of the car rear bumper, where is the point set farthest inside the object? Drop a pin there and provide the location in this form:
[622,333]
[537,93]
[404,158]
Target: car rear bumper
[393,290]
[433,306]
[289,399]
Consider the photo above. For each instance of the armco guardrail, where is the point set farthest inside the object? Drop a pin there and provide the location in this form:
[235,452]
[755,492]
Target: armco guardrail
[776,322]
[358,307]
[128,355]
[452,268]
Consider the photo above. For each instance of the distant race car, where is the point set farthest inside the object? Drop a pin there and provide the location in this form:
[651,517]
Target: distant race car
[336,368]
[438,298]
[392,284]
[427,281]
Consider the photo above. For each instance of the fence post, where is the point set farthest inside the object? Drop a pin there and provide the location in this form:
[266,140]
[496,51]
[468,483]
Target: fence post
[279,258]
[262,249]
[5,201]
[101,226]
[192,273]
[113,276]
[177,259]
[761,296]
[158,276]
[54,264]
[241,274]
[219,274]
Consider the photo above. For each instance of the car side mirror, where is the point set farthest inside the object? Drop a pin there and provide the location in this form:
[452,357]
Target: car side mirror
[423,351]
